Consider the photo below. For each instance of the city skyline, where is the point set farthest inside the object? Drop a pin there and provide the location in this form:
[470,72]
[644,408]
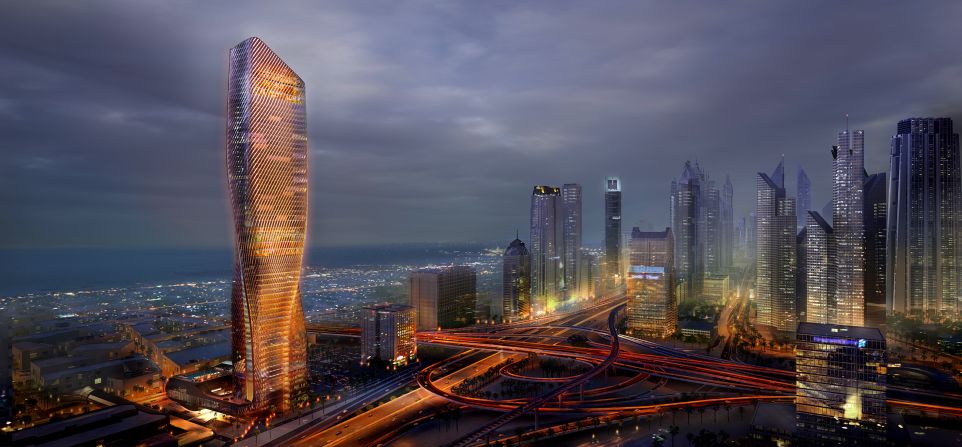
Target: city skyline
[461,109]
[633,294]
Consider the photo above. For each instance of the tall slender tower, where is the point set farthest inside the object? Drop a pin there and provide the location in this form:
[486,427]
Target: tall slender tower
[728,226]
[875,212]
[803,189]
[775,255]
[571,262]
[848,228]
[267,177]
[612,259]
[547,240]
[516,282]
[688,223]
[924,221]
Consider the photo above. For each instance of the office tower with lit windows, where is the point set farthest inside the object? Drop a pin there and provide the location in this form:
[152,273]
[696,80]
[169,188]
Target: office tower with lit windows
[267,161]
[840,385]
[924,221]
[803,197]
[516,282]
[819,270]
[848,227]
[387,334]
[727,213]
[775,255]
[875,213]
[612,256]
[589,273]
[443,297]
[547,248]
[650,284]
[689,228]
[571,258]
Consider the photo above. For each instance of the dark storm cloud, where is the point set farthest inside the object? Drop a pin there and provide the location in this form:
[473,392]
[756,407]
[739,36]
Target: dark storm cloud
[431,121]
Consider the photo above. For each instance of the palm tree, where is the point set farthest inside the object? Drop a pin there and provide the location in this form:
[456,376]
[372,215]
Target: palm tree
[690,436]
[673,431]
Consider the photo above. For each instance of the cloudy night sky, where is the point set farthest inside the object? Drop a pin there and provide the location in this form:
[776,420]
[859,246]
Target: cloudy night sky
[431,121]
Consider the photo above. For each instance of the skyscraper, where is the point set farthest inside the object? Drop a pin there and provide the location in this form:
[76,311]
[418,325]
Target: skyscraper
[571,261]
[819,270]
[922,268]
[612,261]
[444,297]
[650,284]
[547,248]
[848,227]
[803,189]
[727,227]
[689,228]
[516,282]
[840,385]
[387,334]
[775,255]
[267,178]
[875,213]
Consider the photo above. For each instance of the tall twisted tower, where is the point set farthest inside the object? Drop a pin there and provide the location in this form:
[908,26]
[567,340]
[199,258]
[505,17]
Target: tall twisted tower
[267,176]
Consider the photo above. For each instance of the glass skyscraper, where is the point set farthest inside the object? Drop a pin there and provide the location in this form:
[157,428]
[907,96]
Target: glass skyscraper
[922,268]
[803,188]
[571,261]
[547,243]
[267,177]
[652,309]
[840,385]
[819,270]
[443,297]
[689,227]
[848,227]
[516,282]
[775,254]
[612,262]
[874,214]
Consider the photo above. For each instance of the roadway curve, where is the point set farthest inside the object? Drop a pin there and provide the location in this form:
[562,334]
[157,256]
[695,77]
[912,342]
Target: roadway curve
[533,404]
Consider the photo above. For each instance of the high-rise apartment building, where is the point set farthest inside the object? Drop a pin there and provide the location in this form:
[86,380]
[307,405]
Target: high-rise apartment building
[650,284]
[387,334]
[516,282]
[819,270]
[571,260]
[687,214]
[848,227]
[875,213]
[547,248]
[803,197]
[924,221]
[267,178]
[840,385]
[444,297]
[775,255]
[612,261]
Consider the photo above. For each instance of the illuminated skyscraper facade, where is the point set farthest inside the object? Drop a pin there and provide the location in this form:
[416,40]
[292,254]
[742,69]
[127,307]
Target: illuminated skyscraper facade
[803,197]
[689,227]
[387,334]
[924,221]
[848,227]
[547,248]
[652,309]
[571,261]
[516,282]
[840,385]
[612,261]
[267,178]
[775,255]
[875,213]
[819,270]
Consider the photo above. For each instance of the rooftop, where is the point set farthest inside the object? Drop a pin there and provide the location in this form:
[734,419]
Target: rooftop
[840,331]
[200,354]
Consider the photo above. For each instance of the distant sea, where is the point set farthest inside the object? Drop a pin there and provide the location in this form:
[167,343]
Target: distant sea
[52,270]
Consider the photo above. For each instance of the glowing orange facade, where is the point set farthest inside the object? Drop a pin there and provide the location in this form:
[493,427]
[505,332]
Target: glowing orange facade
[267,175]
